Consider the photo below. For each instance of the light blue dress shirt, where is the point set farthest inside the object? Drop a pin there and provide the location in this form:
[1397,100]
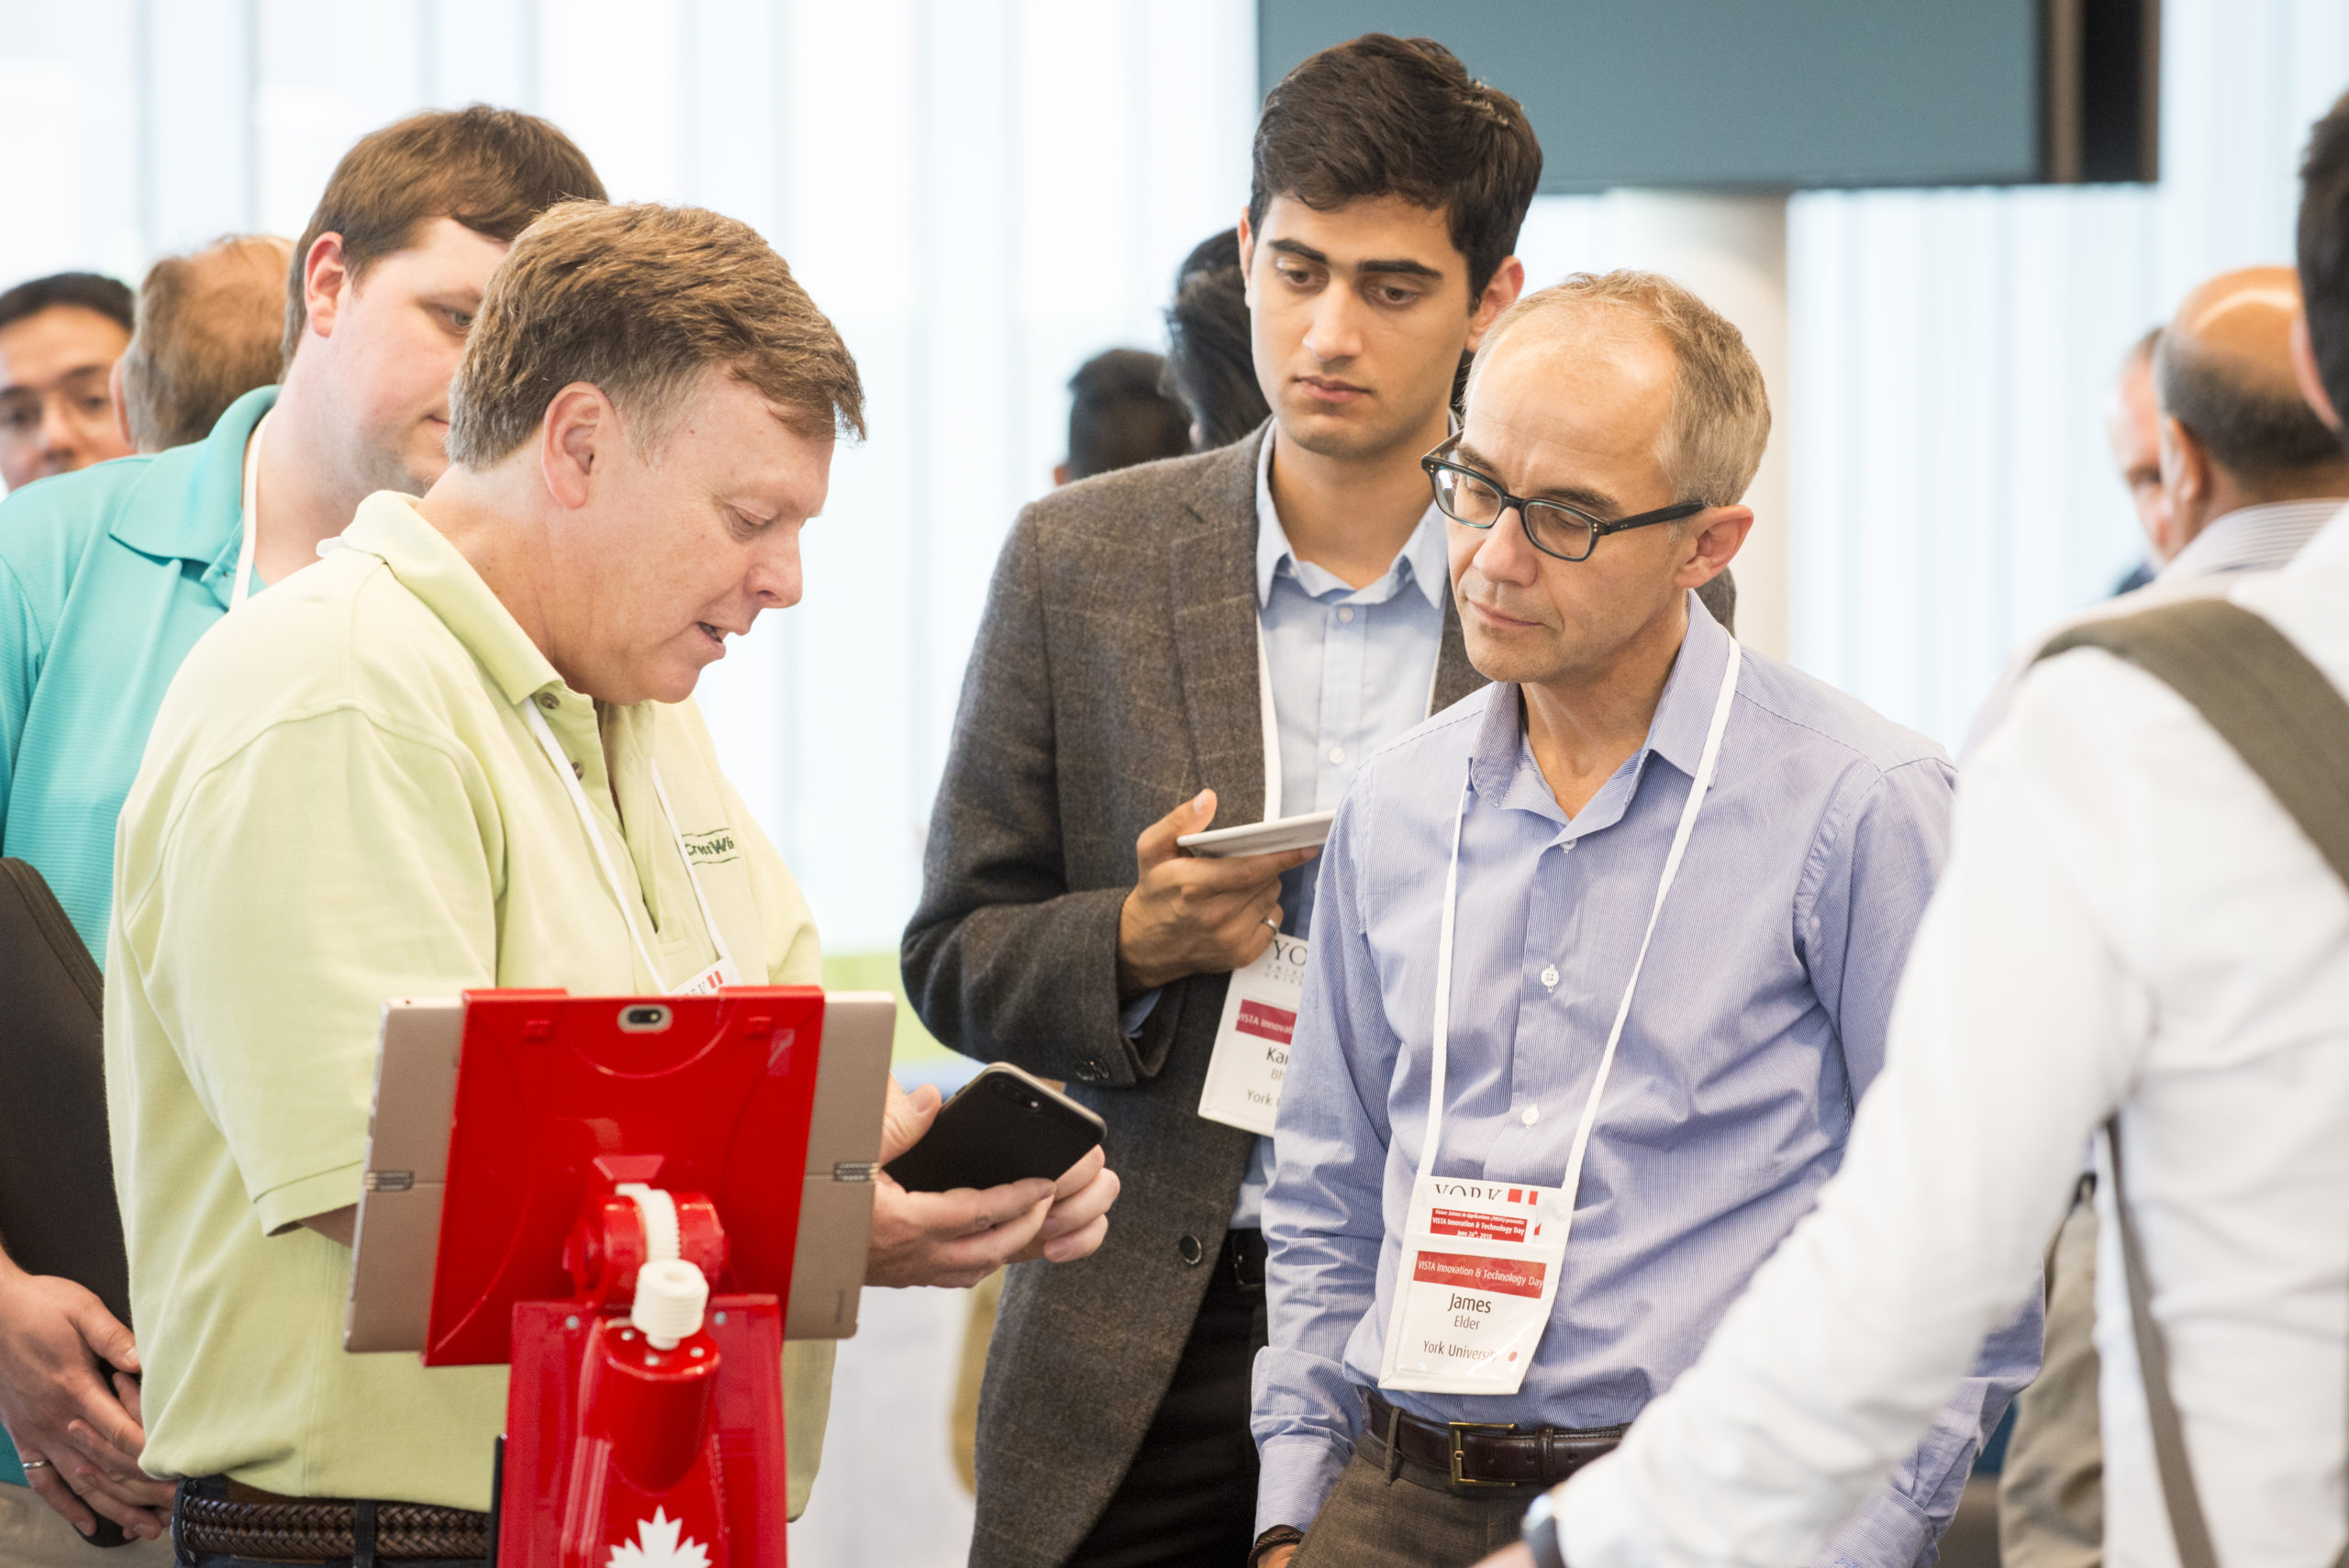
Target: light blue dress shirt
[1351,668]
[1760,1019]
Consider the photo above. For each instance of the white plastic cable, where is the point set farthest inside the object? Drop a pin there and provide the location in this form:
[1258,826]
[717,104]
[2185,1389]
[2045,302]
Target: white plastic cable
[662,1241]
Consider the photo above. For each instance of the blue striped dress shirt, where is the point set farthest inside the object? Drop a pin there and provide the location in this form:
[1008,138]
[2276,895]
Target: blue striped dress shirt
[1760,1019]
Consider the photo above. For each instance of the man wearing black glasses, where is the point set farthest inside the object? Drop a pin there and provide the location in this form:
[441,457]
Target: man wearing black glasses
[1604,958]
[1212,640]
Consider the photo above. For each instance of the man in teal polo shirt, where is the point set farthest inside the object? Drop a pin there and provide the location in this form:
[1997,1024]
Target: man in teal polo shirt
[108,576]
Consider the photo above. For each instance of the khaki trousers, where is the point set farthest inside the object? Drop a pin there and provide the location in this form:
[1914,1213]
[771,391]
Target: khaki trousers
[33,1535]
[2051,1494]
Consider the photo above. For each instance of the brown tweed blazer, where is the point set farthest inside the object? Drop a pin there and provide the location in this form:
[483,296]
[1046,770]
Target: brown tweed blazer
[1115,675]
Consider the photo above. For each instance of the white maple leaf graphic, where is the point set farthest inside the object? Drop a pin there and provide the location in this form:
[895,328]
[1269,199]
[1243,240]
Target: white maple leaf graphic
[657,1546]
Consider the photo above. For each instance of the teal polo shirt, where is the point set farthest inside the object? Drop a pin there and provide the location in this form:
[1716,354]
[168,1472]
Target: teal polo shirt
[107,577]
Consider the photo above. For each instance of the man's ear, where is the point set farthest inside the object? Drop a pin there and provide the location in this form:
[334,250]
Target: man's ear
[114,397]
[326,277]
[1500,292]
[2186,462]
[574,436]
[2304,371]
[1247,261]
[1713,538]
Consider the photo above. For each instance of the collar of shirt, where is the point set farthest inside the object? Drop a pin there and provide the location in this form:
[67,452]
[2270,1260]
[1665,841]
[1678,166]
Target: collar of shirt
[207,528]
[2252,538]
[1422,560]
[1502,770]
[389,528]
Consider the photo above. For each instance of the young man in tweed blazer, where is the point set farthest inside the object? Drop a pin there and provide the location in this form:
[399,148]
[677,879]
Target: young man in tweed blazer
[1112,705]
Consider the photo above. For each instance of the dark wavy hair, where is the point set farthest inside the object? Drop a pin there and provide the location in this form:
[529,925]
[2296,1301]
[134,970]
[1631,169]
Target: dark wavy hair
[1390,116]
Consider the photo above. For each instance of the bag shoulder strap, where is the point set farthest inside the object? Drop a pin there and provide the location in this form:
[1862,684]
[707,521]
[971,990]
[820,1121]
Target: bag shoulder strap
[2289,724]
[2290,727]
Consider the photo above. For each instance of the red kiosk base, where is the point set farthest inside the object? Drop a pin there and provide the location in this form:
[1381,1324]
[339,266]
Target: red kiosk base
[624,1176]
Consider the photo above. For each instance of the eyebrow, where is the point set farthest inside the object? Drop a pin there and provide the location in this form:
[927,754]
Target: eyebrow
[1388,265]
[1581,496]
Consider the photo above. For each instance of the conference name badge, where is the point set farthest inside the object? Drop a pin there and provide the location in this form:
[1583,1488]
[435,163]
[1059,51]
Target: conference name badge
[1473,1292]
[1243,1086]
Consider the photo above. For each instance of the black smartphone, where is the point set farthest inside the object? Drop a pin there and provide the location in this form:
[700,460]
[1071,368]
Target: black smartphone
[1002,1126]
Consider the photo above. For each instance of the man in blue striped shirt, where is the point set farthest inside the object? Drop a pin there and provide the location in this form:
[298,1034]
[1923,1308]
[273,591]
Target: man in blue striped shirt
[1664,998]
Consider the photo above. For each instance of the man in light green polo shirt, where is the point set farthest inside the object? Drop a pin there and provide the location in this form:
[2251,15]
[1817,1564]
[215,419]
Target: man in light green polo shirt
[108,576]
[459,752]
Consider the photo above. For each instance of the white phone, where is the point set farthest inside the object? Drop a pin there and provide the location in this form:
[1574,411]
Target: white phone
[1308,832]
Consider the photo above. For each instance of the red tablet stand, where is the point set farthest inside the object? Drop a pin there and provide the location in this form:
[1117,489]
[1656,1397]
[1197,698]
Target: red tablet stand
[612,1158]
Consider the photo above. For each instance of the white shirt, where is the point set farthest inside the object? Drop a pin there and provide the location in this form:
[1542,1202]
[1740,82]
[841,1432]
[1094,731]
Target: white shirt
[2127,919]
[2249,539]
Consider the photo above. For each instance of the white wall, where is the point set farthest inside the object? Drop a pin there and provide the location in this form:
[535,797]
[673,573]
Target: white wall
[1953,349]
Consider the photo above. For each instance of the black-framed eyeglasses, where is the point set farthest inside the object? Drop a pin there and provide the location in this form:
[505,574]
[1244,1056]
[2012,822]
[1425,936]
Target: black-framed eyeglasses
[1555,527]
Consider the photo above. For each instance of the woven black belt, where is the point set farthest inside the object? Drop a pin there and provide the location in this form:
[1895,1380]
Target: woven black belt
[1454,1455]
[319,1529]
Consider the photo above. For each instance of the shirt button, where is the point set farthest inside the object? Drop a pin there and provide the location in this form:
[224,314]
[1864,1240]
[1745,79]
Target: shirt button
[1346,613]
[578,770]
[1550,977]
[1190,1248]
[1533,1114]
[549,701]
[1337,753]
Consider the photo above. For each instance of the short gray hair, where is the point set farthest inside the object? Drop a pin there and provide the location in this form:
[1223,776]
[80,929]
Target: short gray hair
[1719,422]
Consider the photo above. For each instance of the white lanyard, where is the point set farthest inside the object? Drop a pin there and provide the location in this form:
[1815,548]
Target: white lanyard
[240,588]
[1442,1032]
[726,972]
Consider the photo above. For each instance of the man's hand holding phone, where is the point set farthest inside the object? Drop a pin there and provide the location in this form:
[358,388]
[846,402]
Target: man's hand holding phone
[1193,915]
[959,1236]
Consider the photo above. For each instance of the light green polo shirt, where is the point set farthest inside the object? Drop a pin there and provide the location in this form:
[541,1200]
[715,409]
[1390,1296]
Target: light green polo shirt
[342,802]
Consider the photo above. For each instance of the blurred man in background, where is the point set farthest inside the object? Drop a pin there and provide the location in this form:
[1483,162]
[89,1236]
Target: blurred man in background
[2244,474]
[211,328]
[2133,432]
[1209,362]
[60,337]
[1119,415]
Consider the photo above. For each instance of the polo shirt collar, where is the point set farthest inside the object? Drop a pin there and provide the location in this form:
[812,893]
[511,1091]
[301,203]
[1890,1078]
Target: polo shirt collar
[210,519]
[1424,560]
[1502,770]
[389,528]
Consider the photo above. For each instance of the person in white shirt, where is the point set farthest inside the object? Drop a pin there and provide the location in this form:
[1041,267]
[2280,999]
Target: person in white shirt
[2130,925]
[2244,475]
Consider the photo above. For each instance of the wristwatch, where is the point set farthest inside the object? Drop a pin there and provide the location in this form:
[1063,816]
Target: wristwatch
[1541,1531]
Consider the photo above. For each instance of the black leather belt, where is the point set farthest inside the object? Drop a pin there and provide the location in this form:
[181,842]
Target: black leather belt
[1457,1454]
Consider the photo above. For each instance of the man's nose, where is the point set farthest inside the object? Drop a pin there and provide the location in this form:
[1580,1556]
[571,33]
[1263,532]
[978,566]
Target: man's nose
[59,436]
[1507,555]
[775,580]
[1335,332]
